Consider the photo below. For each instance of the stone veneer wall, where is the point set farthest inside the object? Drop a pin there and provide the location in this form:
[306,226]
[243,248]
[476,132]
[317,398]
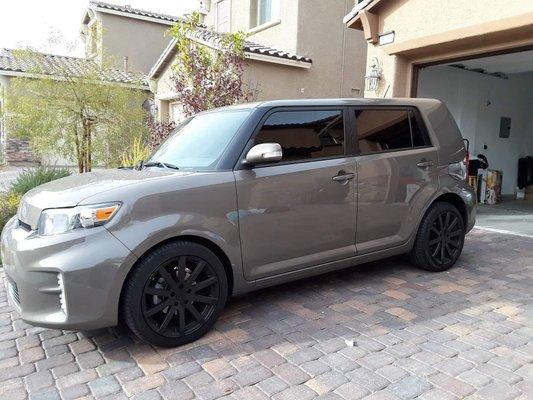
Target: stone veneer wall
[19,151]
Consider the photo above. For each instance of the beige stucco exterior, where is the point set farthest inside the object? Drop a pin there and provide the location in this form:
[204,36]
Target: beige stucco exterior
[119,36]
[431,31]
[311,28]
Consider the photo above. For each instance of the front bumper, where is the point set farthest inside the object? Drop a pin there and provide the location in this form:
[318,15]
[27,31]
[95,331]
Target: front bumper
[92,265]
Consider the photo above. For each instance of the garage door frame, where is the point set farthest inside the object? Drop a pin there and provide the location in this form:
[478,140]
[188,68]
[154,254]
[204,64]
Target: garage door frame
[416,67]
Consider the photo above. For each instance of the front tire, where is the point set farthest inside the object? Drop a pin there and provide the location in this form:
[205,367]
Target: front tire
[440,238]
[175,294]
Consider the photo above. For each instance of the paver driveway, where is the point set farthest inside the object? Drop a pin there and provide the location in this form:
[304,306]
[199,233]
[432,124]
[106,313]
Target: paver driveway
[464,333]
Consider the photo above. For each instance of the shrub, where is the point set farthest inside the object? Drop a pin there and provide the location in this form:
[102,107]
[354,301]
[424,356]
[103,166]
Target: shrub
[9,203]
[159,132]
[33,177]
[134,155]
[27,180]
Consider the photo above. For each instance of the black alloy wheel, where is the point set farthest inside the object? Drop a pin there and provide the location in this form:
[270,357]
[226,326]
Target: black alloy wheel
[445,238]
[175,294]
[179,296]
[440,238]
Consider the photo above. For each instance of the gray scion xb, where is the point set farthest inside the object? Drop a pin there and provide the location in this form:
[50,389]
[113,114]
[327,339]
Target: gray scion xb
[238,199]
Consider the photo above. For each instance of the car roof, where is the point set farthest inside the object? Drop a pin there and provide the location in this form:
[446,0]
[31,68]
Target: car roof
[337,102]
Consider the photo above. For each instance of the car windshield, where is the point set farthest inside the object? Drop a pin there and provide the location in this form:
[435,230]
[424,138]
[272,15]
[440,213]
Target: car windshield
[200,141]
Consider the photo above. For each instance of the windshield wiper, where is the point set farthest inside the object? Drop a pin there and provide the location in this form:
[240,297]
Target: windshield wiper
[160,164]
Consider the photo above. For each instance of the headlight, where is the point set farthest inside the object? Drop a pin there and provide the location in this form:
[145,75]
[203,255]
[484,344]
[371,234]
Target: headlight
[60,220]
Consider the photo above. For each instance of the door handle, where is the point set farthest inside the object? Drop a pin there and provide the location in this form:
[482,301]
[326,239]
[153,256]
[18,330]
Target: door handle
[343,176]
[424,164]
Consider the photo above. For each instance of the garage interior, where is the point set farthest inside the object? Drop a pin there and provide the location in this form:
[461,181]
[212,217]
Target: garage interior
[491,98]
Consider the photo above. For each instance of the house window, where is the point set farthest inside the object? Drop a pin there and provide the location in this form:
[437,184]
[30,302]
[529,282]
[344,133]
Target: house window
[222,16]
[264,11]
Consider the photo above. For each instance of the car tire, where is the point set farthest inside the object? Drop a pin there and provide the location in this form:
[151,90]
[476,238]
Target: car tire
[174,295]
[440,238]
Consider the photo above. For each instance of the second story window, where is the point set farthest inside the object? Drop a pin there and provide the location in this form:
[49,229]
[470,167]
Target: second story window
[222,16]
[264,11]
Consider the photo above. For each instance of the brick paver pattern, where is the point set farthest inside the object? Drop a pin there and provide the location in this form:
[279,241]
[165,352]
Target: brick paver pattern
[379,331]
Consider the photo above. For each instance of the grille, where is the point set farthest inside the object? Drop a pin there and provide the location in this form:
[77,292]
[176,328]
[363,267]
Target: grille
[14,289]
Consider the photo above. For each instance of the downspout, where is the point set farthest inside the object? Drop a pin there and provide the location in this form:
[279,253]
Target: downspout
[343,58]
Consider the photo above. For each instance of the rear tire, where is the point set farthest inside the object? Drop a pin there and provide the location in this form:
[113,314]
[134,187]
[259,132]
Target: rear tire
[440,238]
[175,294]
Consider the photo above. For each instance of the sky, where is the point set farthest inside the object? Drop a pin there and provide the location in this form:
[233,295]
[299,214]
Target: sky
[52,26]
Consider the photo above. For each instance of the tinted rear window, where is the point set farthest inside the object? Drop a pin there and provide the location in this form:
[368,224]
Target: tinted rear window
[388,130]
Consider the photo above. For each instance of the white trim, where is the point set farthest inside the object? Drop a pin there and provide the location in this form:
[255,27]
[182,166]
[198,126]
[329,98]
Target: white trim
[279,60]
[355,11]
[215,5]
[162,58]
[131,15]
[503,231]
[168,97]
[263,27]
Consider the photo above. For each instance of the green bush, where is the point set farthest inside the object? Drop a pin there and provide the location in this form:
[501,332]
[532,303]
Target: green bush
[9,203]
[27,180]
[33,177]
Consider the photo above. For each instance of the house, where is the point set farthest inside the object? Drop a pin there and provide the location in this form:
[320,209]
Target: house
[295,49]
[12,65]
[125,33]
[106,29]
[476,57]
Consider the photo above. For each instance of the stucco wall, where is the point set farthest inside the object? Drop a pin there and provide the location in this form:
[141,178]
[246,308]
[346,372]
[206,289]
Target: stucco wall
[312,28]
[411,19]
[477,102]
[141,41]
[434,30]
[282,35]
[338,53]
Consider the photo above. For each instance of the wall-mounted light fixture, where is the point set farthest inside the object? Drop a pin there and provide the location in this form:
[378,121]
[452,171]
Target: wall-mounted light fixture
[374,76]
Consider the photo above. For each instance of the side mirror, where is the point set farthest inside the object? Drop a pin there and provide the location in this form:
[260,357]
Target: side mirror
[264,153]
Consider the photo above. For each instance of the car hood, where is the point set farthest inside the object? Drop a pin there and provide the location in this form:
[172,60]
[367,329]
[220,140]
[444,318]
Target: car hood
[70,191]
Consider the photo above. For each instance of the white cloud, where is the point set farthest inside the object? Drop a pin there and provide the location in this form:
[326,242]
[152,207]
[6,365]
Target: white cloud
[53,25]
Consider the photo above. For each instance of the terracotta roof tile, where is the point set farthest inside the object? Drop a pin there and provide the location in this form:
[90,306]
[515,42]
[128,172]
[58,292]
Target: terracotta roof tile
[214,38]
[49,64]
[135,11]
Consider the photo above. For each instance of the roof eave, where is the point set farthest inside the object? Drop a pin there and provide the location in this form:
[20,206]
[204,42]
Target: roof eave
[24,74]
[352,19]
[162,61]
[279,60]
[104,10]
[170,51]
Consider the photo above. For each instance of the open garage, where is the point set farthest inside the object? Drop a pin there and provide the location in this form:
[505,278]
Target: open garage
[491,98]
[479,61]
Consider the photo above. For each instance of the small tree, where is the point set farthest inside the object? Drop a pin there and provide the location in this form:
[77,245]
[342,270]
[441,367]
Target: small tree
[206,77]
[77,113]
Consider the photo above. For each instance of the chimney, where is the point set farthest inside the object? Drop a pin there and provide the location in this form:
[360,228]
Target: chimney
[125,64]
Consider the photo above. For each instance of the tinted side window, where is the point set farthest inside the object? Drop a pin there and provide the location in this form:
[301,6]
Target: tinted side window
[305,135]
[383,130]
[420,136]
